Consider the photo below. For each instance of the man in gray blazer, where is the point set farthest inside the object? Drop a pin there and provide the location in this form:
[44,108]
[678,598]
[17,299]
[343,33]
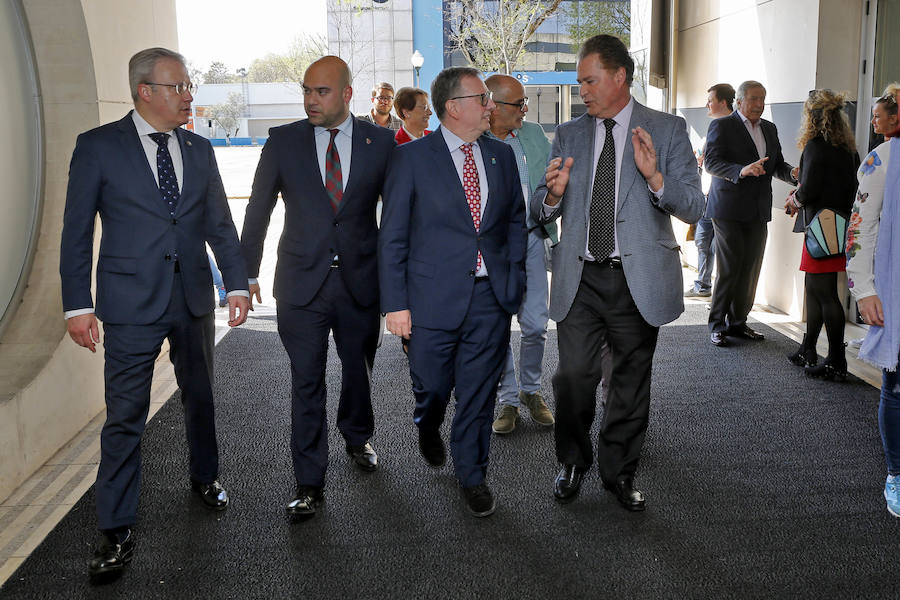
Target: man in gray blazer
[616,177]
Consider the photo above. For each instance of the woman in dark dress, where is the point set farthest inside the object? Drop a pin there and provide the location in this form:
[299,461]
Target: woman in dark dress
[827,180]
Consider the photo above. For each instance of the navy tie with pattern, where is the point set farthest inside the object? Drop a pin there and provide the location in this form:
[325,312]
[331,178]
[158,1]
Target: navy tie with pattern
[165,171]
[602,238]
[334,184]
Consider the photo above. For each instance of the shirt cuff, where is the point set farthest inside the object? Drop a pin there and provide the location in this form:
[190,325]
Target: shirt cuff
[253,281]
[78,311]
[244,293]
[659,193]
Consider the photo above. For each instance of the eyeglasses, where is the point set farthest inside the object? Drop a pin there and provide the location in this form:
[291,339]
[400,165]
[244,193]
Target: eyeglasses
[180,88]
[521,104]
[485,97]
[384,98]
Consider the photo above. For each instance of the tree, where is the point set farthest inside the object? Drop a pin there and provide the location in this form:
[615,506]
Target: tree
[586,19]
[228,114]
[218,73]
[291,65]
[491,35]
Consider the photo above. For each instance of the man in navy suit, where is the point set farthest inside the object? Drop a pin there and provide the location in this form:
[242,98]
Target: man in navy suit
[160,199]
[329,169]
[742,154]
[451,254]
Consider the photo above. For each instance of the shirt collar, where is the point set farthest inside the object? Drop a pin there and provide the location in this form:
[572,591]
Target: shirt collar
[346,127]
[623,117]
[745,119]
[142,126]
[454,141]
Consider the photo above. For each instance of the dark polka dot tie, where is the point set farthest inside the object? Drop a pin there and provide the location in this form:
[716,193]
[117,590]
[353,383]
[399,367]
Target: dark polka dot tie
[602,238]
[165,171]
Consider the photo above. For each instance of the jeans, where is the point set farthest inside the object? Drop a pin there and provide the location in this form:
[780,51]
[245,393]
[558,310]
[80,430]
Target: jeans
[533,316]
[704,238]
[216,274]
[889,420]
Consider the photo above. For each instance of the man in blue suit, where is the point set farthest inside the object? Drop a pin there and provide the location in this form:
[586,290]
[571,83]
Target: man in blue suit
[160,199]
[451,264]
[329,169]
[742,154]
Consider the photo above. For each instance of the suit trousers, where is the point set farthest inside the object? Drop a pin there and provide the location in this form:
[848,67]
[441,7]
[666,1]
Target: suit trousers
[130,353]
[469,358]
[603,311]
[533,316]
[304,333]
[739,251]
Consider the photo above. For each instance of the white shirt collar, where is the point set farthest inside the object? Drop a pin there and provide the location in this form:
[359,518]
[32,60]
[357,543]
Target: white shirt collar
[454,141]
[623,117]
[746,120]
[142,126]
[346,127]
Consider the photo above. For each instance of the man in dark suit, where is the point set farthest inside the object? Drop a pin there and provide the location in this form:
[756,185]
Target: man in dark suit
[617,176]
[160,199]
[451,262]
[329,169]
[742,154]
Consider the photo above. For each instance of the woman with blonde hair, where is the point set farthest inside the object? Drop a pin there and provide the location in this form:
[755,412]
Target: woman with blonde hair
[884,113]
[827,180]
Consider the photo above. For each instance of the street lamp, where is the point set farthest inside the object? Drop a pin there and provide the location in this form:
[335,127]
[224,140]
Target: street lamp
[417,61]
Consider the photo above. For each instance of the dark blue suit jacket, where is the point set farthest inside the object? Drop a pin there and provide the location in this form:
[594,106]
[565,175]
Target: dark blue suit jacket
[313,234]
[428,246]
[729,148]
[109,175]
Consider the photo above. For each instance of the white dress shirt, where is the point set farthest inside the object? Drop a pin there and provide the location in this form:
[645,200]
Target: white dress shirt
[344,142]
[454,144]
[756,133]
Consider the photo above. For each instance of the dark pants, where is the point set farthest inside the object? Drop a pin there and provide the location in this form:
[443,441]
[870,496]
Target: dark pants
[739,252]
[304,333]
[603,311]
[130,352]
[471,359]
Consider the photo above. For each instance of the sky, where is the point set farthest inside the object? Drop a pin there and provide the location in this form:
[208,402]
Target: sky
[237,31]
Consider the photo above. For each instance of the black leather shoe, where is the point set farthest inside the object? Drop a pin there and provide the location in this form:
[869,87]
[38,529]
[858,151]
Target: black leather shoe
[213,494]
[479,500]
[717,338]
[113,552]
[306,501]
[745,332]
[627,496]
[364,456]
[432,448]
[568,482]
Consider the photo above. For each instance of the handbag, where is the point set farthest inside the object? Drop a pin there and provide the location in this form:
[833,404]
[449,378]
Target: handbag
[826,234]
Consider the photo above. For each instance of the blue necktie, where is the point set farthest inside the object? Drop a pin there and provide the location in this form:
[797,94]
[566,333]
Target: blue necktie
[165,171]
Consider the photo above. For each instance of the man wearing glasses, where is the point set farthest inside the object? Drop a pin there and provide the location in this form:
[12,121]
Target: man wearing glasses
[532,150]
[160,199]
[380,113]
[451,264]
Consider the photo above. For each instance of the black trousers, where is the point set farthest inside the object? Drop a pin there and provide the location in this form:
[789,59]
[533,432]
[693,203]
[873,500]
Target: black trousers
[304,333]
[739,251]
[603,311]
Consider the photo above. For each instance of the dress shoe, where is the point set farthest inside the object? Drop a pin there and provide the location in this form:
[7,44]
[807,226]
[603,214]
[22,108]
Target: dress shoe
[833,369]
[432,448]
[717,338]
[213,494]
[479,500]
[114,551]
[364,456]
[305,502]
[568,482]
[627,496]
[540,412]
[745,332]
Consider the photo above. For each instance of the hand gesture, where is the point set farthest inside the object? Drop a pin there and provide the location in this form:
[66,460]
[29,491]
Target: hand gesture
[84,331]
[557,179]
[755,169]
[645,157]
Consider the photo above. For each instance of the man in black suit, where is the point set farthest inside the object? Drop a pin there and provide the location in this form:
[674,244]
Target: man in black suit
[742,154]
[329,169]
[160,199]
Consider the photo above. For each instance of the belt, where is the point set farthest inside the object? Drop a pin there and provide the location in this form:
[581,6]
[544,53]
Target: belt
[613,262]
[481,278]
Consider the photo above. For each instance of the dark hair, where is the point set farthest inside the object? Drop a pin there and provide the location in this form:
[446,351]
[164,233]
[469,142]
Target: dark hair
[383,85]
[446,85]
[724,91]
[613,54]
[406,99]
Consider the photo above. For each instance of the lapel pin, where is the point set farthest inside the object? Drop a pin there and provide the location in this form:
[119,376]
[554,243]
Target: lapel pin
[368,141]
[188,142]
[493,161]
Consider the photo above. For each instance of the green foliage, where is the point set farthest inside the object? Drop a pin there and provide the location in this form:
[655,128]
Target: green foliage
[218,73]
[291,65]
[587,18]
[228,114]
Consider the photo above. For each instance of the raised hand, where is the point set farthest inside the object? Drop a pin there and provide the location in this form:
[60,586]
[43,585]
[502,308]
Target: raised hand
[557,179]
[755,169]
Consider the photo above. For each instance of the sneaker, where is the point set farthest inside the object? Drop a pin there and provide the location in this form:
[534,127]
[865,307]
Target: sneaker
[537,407]
[223,297]
[506,420]
[479,500]
[695,293]
[892,494]
[855,343]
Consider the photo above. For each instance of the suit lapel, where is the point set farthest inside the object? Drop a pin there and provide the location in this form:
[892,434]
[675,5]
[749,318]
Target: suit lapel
[492,174]
[306,154]
[584,146]
[134,151]
[358,147]
[188,171]
[446,175]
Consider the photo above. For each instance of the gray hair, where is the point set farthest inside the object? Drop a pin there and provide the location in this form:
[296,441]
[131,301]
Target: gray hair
[446,85]
[141,65]
[747,85]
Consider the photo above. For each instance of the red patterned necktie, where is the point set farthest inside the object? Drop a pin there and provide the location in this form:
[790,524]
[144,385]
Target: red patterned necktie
[472,187]
[333,182]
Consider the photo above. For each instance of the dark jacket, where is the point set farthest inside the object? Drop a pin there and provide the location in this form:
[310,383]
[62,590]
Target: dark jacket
[827,180]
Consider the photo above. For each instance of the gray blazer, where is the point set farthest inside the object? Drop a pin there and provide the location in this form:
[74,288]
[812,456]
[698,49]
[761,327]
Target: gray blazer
[649,251]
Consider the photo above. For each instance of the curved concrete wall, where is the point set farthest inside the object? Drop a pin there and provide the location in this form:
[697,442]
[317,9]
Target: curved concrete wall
[50,388]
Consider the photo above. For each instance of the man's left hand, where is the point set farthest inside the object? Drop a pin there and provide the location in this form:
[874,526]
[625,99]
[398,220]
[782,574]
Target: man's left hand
[645,158]
[238,306]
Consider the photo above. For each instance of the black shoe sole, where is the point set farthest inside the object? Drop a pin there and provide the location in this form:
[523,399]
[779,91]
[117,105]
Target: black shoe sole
[564,499]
